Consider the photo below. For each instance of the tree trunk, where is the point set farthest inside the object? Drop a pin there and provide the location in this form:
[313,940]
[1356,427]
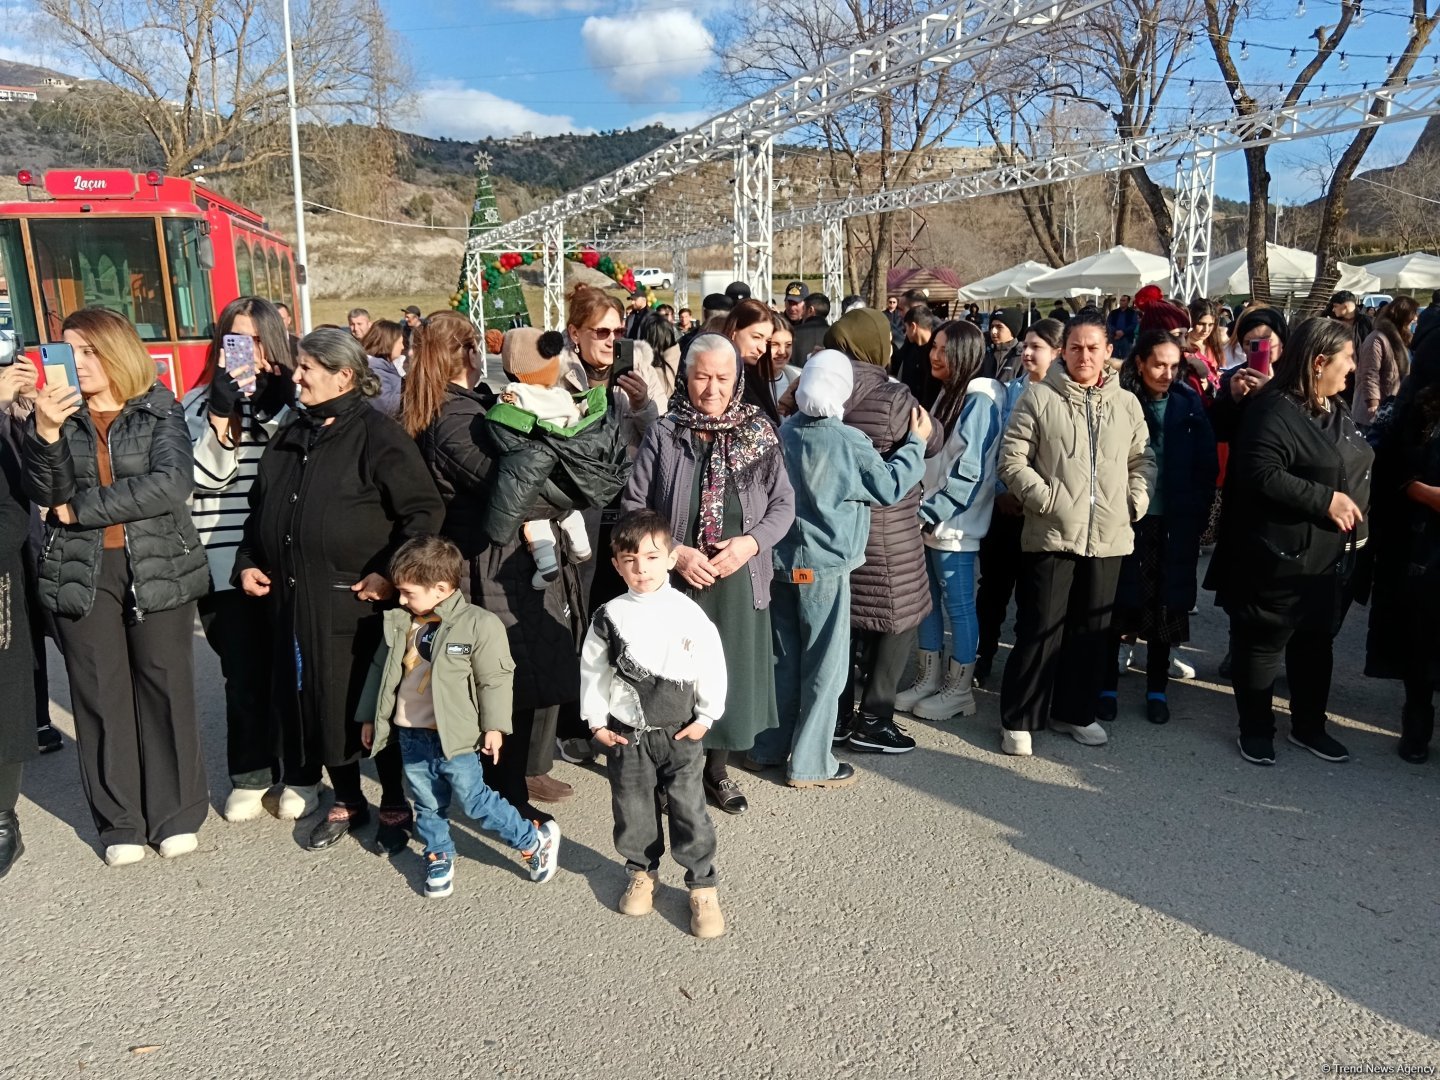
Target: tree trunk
[1122,208]
[1154,196]
[880,259]
[1258,258]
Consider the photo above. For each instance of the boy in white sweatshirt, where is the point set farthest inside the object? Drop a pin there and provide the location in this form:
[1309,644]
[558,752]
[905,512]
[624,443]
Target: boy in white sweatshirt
[652,682]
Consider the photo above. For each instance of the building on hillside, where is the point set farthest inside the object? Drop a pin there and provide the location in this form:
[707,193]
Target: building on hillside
[18,93]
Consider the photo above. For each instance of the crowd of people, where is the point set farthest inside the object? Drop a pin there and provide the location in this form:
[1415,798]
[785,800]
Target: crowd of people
[729,550]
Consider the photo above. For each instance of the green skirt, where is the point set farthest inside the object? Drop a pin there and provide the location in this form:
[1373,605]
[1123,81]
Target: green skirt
[749,661]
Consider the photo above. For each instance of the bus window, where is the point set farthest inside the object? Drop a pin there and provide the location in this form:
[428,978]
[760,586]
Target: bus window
[287,292]
[262,274]
[275,278]
[99,262]
[244,279]
[17,306]
[189,285]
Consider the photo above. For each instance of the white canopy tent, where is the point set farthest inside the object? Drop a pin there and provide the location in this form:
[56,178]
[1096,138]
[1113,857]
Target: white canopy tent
[1412,272]
[1005,284]
[1119,270]
[1292,272]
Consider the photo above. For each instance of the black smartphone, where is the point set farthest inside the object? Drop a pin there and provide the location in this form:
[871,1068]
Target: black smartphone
[624,360]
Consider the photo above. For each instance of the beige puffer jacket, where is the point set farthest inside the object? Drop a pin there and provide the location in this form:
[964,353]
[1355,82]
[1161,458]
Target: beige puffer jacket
[1079,460]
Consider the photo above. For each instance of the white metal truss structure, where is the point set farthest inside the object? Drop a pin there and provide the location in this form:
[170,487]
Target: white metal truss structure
[952,33]
[754,189]
[1417,99]
[1194,216]
[474,293]
[832,260]
[552,247]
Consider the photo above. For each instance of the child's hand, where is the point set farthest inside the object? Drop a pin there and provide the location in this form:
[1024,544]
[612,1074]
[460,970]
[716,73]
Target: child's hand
[490,745]
[605,737]
[695,731]
[367,735]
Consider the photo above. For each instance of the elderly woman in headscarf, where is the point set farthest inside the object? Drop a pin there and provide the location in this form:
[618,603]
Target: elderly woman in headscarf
[837,475]
[713,466]
[890,591]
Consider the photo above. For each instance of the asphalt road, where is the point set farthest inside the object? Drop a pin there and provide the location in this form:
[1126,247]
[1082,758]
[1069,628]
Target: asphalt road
[1156,907]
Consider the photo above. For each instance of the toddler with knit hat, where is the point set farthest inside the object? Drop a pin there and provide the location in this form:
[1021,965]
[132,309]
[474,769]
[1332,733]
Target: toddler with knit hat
[532,358]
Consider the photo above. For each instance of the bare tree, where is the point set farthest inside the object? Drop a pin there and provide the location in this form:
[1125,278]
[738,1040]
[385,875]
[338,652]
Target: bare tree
[205,79]
[1222,20]
[1402,201]
[880,144]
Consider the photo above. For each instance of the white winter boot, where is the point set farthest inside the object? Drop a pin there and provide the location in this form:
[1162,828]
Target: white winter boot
[573,526]
[955,698]
[927,682]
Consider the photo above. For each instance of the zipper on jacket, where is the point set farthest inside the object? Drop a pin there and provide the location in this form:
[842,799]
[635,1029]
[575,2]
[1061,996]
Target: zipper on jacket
[1094,479]
[134,596]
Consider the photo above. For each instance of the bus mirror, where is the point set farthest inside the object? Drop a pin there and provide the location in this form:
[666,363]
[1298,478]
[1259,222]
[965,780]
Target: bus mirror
[205,252]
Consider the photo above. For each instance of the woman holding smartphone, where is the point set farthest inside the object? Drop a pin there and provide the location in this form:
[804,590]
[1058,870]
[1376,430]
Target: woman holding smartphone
[245,394]
[122,567]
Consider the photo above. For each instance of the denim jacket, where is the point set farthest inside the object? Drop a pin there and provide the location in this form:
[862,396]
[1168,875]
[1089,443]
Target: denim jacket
[837,475]
[960,481]
[662,479]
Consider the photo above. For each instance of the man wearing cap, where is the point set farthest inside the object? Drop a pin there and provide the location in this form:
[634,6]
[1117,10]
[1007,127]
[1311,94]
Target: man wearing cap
[795,294]
[737,291]
[412,322]
[1002,358]
[896,319]
[639,308]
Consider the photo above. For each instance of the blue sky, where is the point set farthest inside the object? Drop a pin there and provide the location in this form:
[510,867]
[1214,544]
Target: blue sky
[500,67]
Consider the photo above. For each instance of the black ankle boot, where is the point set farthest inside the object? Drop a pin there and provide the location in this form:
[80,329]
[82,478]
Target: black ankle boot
[11,846]
[1417,727]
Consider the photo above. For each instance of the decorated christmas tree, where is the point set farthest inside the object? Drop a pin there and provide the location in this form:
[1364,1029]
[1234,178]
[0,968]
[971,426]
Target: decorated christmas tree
[496,288]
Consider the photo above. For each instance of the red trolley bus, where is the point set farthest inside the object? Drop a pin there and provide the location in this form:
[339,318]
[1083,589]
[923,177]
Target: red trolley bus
[167,253]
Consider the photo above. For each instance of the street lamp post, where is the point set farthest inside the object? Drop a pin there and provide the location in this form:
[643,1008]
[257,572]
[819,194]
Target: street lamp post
[302,272]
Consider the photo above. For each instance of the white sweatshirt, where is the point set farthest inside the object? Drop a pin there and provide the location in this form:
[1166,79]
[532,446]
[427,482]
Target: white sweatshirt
[652,660]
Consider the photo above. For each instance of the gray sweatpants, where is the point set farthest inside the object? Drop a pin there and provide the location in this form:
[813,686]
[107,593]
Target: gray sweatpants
[655,761]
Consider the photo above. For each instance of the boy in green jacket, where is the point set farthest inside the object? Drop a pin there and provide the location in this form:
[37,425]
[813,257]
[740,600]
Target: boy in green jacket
[444,677]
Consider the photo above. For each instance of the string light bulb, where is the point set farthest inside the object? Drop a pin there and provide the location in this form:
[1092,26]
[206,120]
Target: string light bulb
[1344,62]
[1300,10]
[1294,58]
[1244,50]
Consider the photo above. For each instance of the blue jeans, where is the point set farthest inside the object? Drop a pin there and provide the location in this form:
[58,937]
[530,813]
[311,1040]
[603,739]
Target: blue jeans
[431,777]
[810,625]
[952,594]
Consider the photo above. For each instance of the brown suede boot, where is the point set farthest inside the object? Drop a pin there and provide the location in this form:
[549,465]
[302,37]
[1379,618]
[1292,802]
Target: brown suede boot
[706,921]
[639,896]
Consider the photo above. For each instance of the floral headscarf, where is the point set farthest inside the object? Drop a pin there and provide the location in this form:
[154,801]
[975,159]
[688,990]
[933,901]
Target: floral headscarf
[743,437]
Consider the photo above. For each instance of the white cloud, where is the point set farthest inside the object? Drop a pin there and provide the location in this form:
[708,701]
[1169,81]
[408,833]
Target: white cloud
[641,53]
[549,7]
[457,111]
[677,121]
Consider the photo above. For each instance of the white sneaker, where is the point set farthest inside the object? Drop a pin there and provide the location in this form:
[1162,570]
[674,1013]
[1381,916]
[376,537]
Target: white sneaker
[124,854]
[1091,734]
[244,804]
[1015,742]
[543,861]
[298,802]
[173,847]
[1180,670]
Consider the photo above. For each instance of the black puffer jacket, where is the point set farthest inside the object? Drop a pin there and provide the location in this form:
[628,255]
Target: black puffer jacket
[544,626]
[152,466]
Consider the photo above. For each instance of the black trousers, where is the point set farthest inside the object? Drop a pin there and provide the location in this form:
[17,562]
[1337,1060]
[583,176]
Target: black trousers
[877,663]
[519,758]
[10,773]
[1256,652]
[1062,621]
[999,568]
[132,689]
[655,761]
[1157,664]
[238,630]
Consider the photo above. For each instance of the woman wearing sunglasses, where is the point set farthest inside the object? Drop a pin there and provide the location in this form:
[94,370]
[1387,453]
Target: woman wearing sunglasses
[596,321]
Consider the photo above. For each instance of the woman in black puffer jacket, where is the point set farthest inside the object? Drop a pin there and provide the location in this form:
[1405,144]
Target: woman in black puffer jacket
[122,568]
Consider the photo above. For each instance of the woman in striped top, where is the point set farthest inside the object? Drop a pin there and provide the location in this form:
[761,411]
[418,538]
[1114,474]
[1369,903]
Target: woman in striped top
[230,425]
